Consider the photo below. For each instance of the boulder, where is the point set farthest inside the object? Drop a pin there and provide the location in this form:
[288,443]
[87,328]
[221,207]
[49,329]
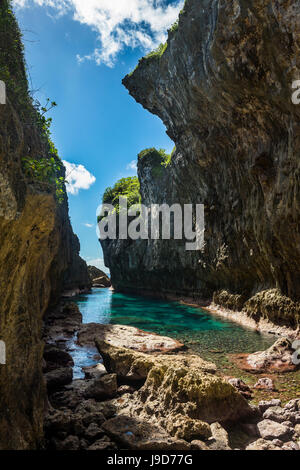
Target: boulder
[103,388]
[132,366]
[58,378]
[264,405]
[174,385]
[265,384]
[127,337]
[219,439]
[270,430]
[139,435]
[262,444]
[94,372]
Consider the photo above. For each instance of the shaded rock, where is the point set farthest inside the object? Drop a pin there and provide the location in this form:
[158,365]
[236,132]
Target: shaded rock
[250,429]
[102,388]
[265,384]
[270,430]
[58,378]
[127,337]
[93,432]
[70,443]
[94,372]
[103,444]
[56,357]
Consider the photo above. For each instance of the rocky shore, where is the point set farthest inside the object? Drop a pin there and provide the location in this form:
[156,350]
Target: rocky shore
[150,392]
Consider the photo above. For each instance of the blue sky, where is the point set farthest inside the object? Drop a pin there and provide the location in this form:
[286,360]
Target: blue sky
[77,53]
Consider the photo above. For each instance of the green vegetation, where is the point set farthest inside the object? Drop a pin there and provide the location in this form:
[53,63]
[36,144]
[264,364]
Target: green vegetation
[46,171]
[125,187]
[160,159]
[174,27]
[46,167]
[158,52]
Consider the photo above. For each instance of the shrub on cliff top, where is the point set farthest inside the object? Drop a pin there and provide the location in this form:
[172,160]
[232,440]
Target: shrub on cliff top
[125,187]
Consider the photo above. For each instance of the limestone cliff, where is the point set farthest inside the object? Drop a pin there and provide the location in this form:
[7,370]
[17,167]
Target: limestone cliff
[39,254]
[222,85]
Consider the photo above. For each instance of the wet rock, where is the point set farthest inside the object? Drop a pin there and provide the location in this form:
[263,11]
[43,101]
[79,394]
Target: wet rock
[270,430]
[265,384]
[102,388]
[127,337]
[264,405]
[58,378]
[56,357]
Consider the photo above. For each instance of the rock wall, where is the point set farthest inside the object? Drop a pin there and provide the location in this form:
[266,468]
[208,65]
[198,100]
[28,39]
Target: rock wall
[222,86]
[39,254]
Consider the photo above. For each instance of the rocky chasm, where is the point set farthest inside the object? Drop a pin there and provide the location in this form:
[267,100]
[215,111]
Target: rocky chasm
[222,85]
[39,256]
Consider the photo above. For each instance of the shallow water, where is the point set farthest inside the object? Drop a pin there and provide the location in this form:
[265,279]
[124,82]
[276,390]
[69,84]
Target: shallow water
[211,336]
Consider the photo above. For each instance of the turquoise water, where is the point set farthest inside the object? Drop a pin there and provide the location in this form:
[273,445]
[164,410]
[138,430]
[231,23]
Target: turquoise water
[210,336]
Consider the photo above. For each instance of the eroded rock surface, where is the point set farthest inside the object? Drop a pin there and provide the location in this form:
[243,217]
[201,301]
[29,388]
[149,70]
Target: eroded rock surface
[222,87]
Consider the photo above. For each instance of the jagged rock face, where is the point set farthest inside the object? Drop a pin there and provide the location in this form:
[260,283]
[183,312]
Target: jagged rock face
[223,89]
[39,258]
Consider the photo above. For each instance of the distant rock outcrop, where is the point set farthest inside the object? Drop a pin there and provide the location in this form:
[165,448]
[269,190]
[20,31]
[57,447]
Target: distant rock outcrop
[98,277]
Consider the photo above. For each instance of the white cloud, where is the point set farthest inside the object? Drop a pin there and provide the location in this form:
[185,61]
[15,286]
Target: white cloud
[89,225]
[132,165]
[117,23]
[78,177]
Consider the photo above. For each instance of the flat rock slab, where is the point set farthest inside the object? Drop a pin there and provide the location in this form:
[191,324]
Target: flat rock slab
[127,337]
